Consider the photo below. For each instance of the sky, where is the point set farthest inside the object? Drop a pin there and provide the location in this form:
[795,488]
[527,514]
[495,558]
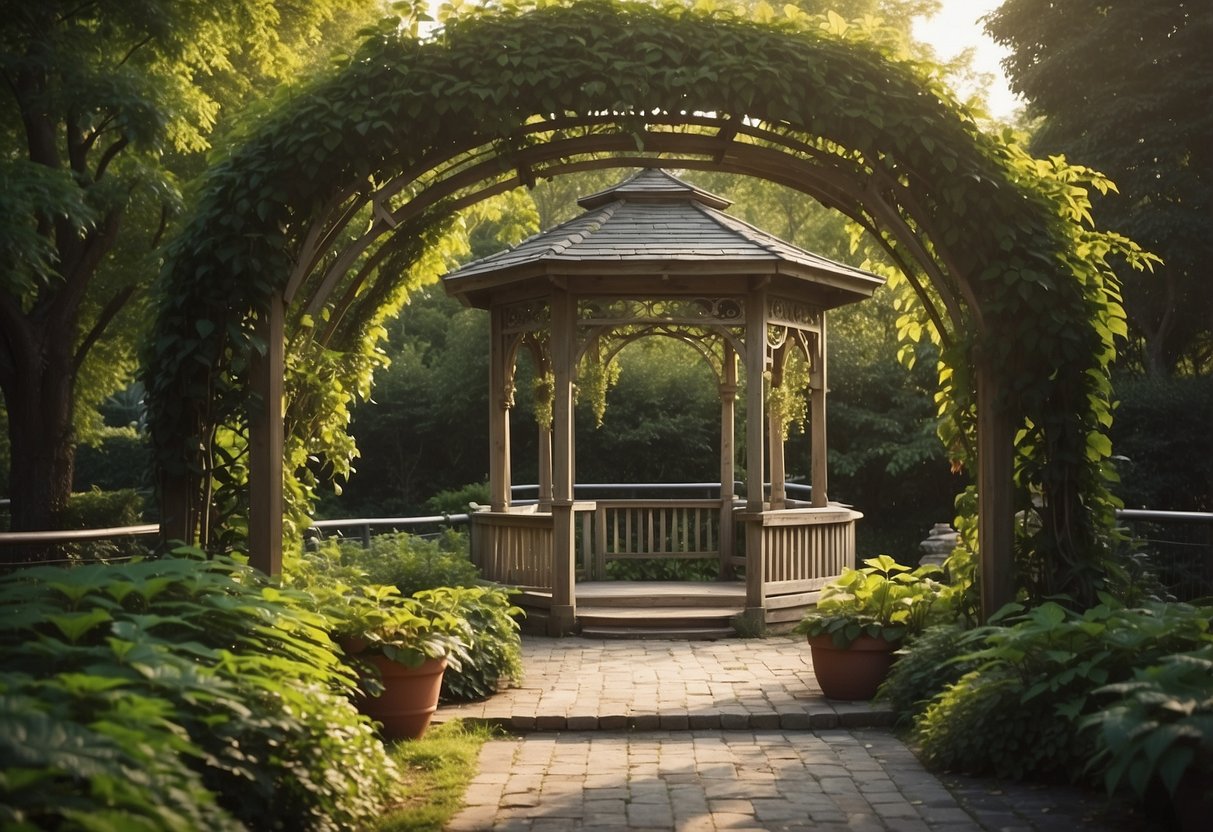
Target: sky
[956,28]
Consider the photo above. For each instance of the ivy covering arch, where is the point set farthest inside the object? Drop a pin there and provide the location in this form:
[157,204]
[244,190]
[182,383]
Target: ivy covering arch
[317,224]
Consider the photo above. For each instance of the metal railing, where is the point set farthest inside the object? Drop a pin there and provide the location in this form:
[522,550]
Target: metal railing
[1179,546]
[365,525]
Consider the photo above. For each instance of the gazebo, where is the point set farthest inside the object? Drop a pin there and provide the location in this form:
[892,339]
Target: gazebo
[655,255]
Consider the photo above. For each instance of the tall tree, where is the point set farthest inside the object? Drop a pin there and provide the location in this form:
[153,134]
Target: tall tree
[1125,87]
[107,106]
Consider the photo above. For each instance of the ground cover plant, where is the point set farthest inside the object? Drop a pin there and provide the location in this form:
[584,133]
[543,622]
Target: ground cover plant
[180,693]
[435,771]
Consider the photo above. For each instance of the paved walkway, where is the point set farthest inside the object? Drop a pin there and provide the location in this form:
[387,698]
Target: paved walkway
[729,735]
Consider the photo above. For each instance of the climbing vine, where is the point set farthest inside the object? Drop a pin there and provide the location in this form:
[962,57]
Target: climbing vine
[338,195]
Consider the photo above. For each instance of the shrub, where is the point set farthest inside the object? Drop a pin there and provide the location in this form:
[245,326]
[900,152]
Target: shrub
[458,500]
[97,509]
[413,563]
[1158,728]
[222,677]
[663,569]
[93,752]
[1015,715]
[438,573]
[926,665]
[882,599]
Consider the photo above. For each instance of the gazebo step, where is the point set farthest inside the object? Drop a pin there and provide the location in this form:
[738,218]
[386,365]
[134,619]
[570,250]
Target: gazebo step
[676,633]
[654,622]
[661,594]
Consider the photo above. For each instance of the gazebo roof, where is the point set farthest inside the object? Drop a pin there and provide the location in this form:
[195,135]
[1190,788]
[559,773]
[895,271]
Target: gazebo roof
[654,223]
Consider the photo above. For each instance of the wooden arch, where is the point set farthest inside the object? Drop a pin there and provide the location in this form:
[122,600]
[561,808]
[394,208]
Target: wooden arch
[307,231]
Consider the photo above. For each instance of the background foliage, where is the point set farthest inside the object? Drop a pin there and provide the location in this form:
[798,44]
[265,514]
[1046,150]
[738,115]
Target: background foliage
[109,110]
[1121,87]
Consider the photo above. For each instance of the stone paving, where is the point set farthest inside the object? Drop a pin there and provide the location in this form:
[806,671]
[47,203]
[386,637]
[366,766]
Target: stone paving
[730,735]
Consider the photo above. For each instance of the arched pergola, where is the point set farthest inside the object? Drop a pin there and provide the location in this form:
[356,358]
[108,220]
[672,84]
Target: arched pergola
[314,226]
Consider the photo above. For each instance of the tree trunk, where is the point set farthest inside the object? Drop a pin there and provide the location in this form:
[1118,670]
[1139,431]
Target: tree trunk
[38,393]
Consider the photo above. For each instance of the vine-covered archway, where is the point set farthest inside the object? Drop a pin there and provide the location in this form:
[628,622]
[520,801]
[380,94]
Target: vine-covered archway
[317,224]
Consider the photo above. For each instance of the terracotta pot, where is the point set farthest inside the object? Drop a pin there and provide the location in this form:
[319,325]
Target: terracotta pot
[852,672]
[409,698]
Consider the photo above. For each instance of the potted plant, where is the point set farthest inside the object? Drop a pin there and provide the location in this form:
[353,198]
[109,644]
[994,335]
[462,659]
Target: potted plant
[406,645]
[862,617]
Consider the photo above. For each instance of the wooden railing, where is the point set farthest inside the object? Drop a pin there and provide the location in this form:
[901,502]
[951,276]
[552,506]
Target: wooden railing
[626,529]
[513,547]
[792,553]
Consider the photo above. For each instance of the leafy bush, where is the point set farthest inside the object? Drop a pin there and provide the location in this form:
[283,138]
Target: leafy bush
[882,599]
[438,574]
[97,509]
[1015,715]
[494,651]
[413,563]
[457,500]
[663,569]
[94,752]
[926,665]
[1159,726]
[177,693]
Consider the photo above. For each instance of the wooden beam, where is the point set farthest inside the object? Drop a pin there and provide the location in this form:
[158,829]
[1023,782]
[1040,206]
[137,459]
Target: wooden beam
[266,442]
[995,493]
[499,416]
[755,365]
[728,455]
[563,614]
[817,416]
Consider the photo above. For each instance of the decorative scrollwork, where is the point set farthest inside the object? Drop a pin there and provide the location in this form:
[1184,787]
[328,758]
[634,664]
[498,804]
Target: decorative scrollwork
[526,316]
[777,336]
[793,313]
[675,310]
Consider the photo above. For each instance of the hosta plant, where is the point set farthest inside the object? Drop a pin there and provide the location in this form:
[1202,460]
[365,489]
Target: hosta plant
[882,599]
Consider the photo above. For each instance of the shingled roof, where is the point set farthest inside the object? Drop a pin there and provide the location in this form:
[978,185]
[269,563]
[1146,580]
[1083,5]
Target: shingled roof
[656,220]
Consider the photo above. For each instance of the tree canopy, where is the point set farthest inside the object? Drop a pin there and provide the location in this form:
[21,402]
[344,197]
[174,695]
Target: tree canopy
[1125,88]
[108,110]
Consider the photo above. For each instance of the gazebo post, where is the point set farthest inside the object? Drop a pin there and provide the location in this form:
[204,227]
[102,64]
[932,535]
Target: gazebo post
[817,416]
[728,456]
[755,365]
[563,613]
[499,416]
[779,493]
[266,443]
[545,467]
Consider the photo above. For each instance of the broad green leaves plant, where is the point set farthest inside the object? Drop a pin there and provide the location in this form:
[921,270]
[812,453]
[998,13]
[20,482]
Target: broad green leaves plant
[1034,676]
[1157,726]
[882,599]
[181,693]
[412,599]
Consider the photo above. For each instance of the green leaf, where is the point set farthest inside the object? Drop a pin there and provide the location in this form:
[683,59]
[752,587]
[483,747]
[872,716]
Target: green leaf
[76,625]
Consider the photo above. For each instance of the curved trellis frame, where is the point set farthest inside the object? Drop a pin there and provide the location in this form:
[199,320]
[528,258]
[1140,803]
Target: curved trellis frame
[313,226]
